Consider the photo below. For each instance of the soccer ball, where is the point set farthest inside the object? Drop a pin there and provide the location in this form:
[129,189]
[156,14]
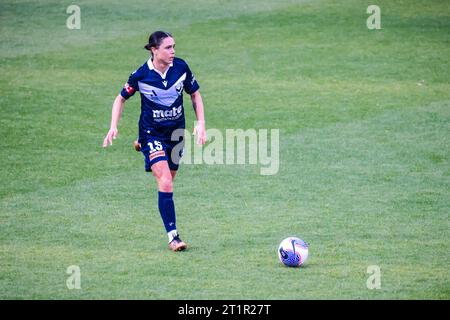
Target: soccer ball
[293,252]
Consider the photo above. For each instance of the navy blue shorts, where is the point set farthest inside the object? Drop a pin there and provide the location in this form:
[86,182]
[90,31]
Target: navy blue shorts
[157,149]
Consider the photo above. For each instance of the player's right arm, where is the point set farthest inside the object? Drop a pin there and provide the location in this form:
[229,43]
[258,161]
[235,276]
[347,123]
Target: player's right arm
[115,117]
[128,91]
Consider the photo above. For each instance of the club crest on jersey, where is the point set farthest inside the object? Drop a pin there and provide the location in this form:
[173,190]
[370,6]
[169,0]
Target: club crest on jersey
[179,87]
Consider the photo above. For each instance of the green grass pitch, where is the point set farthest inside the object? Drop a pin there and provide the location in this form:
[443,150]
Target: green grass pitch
[364,175]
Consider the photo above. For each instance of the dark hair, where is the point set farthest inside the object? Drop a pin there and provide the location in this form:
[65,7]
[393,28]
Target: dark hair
[156,38]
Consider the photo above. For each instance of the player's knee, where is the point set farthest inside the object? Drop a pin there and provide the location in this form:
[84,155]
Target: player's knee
[165,183]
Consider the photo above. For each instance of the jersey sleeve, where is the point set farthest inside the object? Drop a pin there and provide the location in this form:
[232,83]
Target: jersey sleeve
[190,84]
[131,86]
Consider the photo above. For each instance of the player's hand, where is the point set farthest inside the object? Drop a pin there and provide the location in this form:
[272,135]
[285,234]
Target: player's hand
[200,132]
[112,134]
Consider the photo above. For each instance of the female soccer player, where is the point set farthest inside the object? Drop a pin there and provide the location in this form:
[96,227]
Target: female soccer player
[161,81]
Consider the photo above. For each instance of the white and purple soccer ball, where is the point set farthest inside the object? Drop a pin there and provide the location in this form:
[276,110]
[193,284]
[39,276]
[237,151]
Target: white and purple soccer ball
[293,252]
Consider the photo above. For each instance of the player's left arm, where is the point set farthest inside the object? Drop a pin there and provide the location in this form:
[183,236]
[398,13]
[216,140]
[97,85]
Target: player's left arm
[199,129]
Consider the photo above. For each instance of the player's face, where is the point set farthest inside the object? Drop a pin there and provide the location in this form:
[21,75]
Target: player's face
[166,51]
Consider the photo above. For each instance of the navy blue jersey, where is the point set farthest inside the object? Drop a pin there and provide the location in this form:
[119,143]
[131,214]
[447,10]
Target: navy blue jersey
[161,97]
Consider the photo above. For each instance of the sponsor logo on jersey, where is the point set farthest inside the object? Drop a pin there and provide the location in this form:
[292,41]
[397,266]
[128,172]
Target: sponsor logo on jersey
[171,114]
[128,88]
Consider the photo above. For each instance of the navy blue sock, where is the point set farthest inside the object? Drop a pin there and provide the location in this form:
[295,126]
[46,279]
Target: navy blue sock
[167,210]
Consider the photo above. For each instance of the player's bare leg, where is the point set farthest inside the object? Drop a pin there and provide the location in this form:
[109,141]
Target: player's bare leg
[163,176]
